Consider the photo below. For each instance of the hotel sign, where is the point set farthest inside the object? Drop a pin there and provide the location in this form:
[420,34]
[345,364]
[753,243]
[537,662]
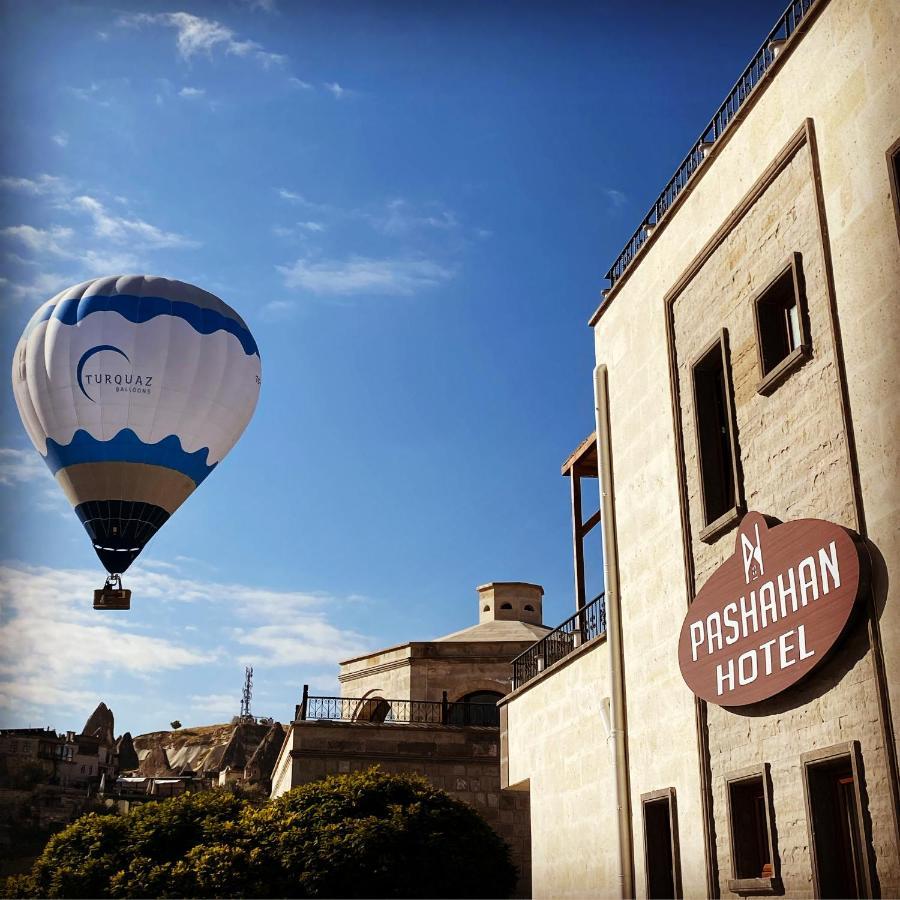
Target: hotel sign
[771,612]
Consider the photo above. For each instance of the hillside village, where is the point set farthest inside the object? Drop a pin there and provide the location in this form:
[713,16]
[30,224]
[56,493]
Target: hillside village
[49,778]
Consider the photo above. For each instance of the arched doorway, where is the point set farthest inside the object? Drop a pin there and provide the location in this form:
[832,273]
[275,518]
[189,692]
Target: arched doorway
[372,709]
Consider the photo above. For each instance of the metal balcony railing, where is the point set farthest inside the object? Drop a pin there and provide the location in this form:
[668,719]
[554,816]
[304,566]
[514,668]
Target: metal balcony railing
[589,622]
[382,710]
[725,114]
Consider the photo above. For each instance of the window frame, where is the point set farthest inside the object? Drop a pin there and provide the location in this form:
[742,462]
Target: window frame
[825,755]
[712,530]
[892,154]
[759,885]
[667,794]
[769,381]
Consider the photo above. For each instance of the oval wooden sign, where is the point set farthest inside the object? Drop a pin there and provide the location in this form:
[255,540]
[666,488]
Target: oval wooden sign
[771,612]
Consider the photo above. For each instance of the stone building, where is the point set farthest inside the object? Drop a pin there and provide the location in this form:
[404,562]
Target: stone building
[723,721]
[428,707]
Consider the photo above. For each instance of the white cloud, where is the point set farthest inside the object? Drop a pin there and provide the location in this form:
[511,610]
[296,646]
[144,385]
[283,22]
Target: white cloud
[291,196]
[399,217]
[360,275]
[307,640]
[337,90]
[53,645]
[110,262]
[61,139]
[300,84]
[41,287]
[277,310]
[89,94]
[123,230]
[40,240]
[21,465]
[192,93]
[108,244]
[617,199]
[39,186]
[265,5]
[195,36]
[310,227]
[217,705]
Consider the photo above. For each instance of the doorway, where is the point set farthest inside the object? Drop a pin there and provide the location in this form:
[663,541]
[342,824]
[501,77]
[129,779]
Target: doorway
[837,834]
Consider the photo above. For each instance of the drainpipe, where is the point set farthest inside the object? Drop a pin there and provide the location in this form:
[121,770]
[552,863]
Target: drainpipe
[614,635]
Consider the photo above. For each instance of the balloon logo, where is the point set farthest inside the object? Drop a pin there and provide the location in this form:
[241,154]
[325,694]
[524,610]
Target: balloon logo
[87,355]
[133,389]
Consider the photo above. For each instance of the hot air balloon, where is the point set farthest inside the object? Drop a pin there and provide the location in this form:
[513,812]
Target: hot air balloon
[133,388]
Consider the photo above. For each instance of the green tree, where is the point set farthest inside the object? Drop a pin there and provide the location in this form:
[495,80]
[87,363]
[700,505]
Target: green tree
[369,834]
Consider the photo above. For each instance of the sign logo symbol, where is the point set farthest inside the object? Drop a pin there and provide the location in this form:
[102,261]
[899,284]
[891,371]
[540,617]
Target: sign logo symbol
[752,553]
[86,356]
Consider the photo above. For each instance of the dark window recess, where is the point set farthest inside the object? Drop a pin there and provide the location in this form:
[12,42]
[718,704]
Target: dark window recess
[750,829]
[660,850]
[781,328]
[778,311]
[714,436]
[838,851]
[478,708]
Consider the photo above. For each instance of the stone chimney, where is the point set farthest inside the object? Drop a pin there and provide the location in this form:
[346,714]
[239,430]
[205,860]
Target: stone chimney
[510,600]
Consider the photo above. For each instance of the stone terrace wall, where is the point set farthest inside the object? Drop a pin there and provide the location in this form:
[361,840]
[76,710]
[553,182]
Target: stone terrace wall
[463,761]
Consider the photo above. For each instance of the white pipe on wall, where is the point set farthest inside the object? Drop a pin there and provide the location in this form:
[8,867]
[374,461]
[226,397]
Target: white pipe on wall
[614,634]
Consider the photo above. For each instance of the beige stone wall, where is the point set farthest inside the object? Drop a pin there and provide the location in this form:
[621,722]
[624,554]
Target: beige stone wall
[795,462]
[383,674]
[555,747]
[844,76]
[423,671]
[462,761]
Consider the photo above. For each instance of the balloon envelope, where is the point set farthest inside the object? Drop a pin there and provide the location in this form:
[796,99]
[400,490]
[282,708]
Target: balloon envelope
[133,388]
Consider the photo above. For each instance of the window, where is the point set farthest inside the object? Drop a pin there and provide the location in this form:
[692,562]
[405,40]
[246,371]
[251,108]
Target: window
[662,863]
[781,334]
[529,607]
[750,827]
[893,159]
[716,439]
[834,808]
[506,606]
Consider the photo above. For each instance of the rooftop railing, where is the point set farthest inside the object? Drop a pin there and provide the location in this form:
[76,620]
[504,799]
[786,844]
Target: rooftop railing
[725,115]
[382,710]
[587,623]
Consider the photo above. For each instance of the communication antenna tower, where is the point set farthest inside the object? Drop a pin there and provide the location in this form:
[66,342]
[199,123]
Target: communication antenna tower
[247,693]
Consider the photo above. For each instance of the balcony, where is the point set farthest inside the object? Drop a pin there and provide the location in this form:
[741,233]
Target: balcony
[589,622]
[380,710]
[792,21]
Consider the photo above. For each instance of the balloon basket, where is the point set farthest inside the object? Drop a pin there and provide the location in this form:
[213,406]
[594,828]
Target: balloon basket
[112,595]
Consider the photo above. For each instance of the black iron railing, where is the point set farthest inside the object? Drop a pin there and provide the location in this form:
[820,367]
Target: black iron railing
[380,710]
[751,77]
[589,622]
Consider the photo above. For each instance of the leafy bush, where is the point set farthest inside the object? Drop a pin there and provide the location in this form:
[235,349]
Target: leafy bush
[367,834]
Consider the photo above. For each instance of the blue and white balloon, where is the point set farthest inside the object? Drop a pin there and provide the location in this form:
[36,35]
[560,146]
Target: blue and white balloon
[133,388]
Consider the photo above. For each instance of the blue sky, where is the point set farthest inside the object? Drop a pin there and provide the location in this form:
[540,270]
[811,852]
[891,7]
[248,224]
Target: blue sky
[413,207]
